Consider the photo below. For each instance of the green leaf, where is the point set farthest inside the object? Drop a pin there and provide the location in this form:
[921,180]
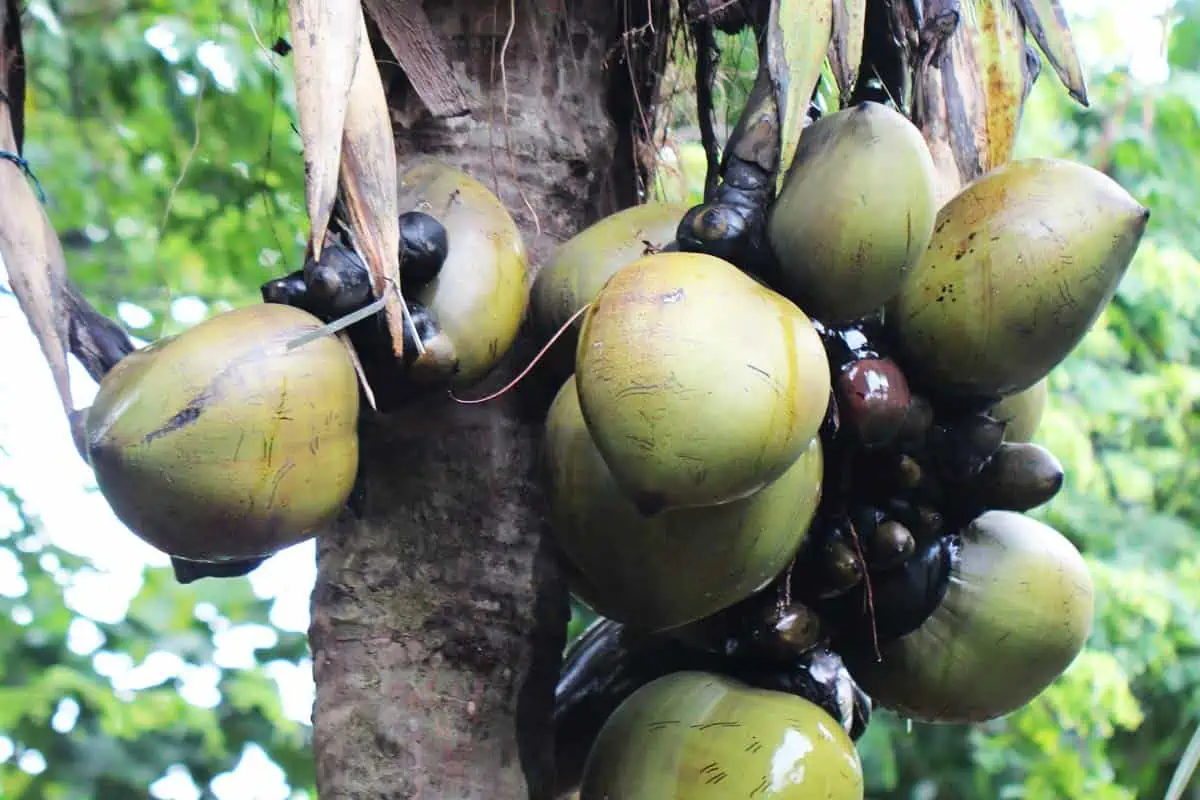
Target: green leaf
[798,38]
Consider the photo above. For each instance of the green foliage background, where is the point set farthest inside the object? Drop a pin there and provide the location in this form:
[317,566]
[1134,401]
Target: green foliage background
[165,180]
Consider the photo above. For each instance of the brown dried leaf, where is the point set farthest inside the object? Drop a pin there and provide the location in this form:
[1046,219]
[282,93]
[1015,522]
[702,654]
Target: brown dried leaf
[34,259]
[846,47]
[368,175]
[325,36]
[969,90]
[410,36]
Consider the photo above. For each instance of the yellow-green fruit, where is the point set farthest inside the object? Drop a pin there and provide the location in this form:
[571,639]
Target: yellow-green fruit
[1017,611]
[480,294]
[652,573]
[221,444]
[583,263]
[701,736]
[855,212]
[1021,263]
[699,385]
[1022,412]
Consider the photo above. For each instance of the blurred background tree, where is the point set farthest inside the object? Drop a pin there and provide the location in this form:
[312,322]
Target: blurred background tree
[163,136]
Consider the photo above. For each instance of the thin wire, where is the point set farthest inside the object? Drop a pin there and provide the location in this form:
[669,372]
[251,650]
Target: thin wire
[21,163]
[558,334]
[341,322]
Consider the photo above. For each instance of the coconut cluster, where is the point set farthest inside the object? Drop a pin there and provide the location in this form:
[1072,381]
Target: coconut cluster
[792,483]
[809,479]
[239,437]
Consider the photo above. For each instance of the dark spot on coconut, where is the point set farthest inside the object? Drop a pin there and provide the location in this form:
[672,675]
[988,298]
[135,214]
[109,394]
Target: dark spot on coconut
[650,504]
[184,417]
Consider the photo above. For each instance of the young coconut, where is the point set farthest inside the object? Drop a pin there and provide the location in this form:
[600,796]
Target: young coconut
[1022,412]
[1021,263]
[221,444]
[700,735]
[855,212]
[699,385]
[628,566]
[1016,612]
[479,295]
[583,263]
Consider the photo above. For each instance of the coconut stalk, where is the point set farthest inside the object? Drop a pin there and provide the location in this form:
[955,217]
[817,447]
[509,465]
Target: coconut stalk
[325,36]
[368,179]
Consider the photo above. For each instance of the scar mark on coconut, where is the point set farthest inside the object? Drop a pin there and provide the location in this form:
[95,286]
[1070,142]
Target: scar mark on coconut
[199,404]
[184,417]
[288,466]
[658,725]
[282,412]
[705,726]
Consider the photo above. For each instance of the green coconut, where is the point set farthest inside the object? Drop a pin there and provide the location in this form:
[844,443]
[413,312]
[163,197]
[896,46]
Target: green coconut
[652,573]
[699,385]
[480,294]
[1021,264]
[583,263]
[855,212]
[222,444]
[1022,412]
[1017,610]
[702,736]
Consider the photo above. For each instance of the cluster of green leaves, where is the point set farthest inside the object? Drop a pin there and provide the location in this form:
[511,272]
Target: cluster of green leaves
[73,732]
[163,135]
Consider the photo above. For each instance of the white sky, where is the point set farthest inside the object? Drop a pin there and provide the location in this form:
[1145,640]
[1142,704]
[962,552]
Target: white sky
[38,460]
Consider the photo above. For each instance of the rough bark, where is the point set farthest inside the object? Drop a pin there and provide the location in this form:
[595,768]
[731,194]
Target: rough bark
[438,618]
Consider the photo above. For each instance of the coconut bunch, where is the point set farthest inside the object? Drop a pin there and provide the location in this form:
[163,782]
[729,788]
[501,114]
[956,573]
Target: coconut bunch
[237,438]
[809,480]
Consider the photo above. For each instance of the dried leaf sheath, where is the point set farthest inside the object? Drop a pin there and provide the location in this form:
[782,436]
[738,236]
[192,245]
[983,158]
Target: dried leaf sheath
[34,260]
[846,46]
[368,177]
[1048,25]
[969,91]
[325,35]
